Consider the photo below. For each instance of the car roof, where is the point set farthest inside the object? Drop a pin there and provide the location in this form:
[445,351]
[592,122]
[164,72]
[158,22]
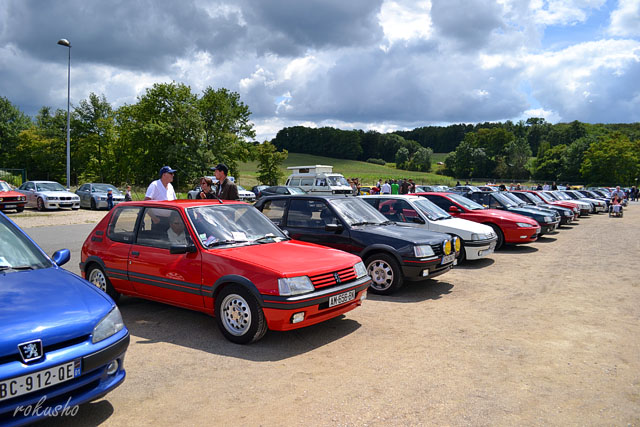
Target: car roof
[392,196]
[184,203]
[310,196]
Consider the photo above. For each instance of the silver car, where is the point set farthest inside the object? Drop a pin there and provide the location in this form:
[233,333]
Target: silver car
[244,195]
[94,195]
[48,195]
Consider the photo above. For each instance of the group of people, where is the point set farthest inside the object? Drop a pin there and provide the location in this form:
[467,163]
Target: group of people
[394,186]
[224,189]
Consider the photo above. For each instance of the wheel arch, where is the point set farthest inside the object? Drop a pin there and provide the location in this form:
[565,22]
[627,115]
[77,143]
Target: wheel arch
[235,279]
[84,267]
[380,248]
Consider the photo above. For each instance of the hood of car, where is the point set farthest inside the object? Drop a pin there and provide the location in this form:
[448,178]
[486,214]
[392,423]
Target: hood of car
[461,227]
[528,211]
[103,194]
[385,233]
[49,304]
[504,215]
[291,258]
[10,194]
[57,193]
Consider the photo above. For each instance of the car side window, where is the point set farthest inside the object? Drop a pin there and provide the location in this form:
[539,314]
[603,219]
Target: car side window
[294,182]
[274,210]
[281,190]
[122,225]
[156,227]
[31,186]
[306,181]
[491,201]
[441,202]
[309,214]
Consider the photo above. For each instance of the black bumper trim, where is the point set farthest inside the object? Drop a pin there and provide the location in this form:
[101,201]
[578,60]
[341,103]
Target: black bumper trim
[316,298]
[106,355]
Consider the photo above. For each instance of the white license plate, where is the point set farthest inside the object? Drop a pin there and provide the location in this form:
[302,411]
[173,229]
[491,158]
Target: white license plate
[39,380]
[10,206]
[342,298]
[448,258]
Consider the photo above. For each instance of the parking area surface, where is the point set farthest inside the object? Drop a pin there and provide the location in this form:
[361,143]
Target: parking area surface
[539,334]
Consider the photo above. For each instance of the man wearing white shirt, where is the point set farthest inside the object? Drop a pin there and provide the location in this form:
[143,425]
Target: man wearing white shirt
[161,189]
[385,188]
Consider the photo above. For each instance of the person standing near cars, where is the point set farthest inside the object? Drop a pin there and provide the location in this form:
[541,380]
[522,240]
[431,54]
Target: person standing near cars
[161,189]
[206,185]
[225,189]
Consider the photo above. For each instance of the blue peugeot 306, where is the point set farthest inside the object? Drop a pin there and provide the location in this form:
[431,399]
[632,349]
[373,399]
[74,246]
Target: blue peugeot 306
[62,340]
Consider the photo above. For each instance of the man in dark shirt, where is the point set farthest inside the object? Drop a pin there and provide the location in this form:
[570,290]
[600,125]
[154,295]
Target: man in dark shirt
[225,188]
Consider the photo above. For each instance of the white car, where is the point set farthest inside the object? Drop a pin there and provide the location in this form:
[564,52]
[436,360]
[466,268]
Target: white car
[245,196]
[478,240]
[48,195]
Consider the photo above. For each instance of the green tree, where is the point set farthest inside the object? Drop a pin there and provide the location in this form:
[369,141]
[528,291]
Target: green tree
[12,122]
[226,129]
[421,160]
[612,160]
[517,153]
[269,161]
[550,166]
[402,157]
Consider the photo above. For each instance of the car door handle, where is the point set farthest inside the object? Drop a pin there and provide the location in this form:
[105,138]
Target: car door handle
[135,253]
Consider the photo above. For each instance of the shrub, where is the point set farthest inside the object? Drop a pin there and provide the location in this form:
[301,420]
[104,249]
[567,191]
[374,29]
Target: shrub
[376,161]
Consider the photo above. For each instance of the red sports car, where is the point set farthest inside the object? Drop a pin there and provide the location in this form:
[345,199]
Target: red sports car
[10,199]
[510,227]
[225,259]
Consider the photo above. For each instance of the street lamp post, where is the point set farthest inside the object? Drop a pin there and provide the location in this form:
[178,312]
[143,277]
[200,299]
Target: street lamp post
[65,42]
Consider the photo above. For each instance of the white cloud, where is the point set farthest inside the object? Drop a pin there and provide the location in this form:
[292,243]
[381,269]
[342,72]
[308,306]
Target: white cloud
[625,20]
[563,12]
[405,20]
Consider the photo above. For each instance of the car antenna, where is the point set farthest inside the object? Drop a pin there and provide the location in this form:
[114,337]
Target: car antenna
[220,200]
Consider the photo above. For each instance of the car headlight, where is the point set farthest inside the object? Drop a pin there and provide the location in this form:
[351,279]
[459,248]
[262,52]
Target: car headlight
[576,210]
[421,251]
[360,270]
[50,198]
[548,219]
[447,247]
[524,224]
[294,285]
[111,324]
[475,236]
[567,213]
[103,199]
[76,198]
[457,244]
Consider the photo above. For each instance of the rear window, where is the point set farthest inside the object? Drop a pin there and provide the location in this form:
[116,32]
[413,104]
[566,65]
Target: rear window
[274,210]
[122,224]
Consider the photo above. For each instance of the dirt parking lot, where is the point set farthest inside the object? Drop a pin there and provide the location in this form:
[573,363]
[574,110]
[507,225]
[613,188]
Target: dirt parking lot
[542,334]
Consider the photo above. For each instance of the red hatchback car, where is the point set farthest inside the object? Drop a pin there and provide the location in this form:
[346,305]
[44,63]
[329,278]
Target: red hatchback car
[10,199]
[224,259]
[510,227]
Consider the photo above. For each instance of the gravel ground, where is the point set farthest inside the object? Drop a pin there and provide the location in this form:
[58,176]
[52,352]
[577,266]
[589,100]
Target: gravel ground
[540,334]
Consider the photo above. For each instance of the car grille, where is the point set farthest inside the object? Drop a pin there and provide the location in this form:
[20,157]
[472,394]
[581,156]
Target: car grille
[66,198]
[437,250]
[329,279]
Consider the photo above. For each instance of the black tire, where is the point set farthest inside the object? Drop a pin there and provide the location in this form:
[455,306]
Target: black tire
[40,204]
[498,231]
[463,256]
[386,275]
[96,275]
[239,316]
[93,204]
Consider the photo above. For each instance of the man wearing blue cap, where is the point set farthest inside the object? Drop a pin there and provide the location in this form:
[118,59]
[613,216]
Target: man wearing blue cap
[161,189]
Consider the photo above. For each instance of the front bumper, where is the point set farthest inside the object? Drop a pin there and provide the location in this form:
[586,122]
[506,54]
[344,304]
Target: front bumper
[100,204]
[521,235]
[416,269]
[279,311]
[548,227]
[92,383]
[8,205]
[476,249]
[59,204]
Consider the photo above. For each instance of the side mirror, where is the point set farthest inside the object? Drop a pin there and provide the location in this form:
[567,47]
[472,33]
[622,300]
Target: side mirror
[454,209]
[182,249]
[418,220]
[61,257]
[335,228]
[286,232]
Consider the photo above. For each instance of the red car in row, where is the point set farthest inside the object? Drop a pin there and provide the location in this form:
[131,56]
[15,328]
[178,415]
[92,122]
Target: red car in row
[225,259]
[510,227]
[10,199]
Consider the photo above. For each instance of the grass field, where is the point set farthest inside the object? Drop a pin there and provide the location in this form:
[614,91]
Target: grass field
[368,173]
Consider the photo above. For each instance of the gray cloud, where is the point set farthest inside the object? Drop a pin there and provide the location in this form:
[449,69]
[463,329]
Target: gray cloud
[468,23]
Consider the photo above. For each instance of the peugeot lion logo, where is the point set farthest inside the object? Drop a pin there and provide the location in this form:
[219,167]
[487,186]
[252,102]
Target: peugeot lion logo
[31,350]
[335,275]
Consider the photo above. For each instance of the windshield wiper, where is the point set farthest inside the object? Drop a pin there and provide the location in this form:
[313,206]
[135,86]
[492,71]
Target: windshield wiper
[265,239]
[369,223]
[18,267]
[225,242]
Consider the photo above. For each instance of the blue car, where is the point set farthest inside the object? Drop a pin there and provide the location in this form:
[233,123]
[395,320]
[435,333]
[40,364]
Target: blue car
[62,340]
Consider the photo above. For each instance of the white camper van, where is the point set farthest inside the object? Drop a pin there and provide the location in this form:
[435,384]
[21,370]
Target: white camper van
[318,179]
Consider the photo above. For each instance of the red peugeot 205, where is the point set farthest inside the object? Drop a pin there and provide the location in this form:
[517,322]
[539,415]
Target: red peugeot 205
[225,259]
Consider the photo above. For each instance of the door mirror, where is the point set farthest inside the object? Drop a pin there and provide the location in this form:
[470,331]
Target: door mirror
[418,220]
[454,209]
[182,249]
[335,228]
[61,257]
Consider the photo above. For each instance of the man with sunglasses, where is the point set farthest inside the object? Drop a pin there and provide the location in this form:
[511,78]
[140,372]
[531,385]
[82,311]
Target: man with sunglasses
[161,189]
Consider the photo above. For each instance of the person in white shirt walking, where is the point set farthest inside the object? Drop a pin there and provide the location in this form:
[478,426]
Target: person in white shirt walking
[161,189]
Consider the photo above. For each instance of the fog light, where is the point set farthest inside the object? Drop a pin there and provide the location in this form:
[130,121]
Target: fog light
[112,368]
[297,317]
[425,273]
[523,237]
[363,296]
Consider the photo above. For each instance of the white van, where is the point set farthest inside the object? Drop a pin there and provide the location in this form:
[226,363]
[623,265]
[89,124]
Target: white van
[318,179]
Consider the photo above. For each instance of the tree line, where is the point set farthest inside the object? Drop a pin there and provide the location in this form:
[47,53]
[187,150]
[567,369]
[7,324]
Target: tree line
[169,125]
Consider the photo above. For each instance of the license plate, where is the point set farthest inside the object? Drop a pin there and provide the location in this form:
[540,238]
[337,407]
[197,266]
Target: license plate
[448,258]
[342,298]
[10,206]
[39,380]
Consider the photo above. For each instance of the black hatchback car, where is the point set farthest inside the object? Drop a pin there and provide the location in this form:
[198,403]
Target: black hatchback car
[391,253]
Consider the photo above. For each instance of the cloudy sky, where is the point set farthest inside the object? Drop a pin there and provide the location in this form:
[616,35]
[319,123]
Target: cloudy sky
[363,64]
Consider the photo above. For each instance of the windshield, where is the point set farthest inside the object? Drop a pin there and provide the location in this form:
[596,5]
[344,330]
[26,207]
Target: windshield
[104,188]
[296,190]
[561,196]
[218,225]
[466,203]
[49,186]
[515,199]
[505,200]
[337,180]
[17,252]
[357,212]
[545,196]
[534,197]
[240,188]
[431,210]
[4,186]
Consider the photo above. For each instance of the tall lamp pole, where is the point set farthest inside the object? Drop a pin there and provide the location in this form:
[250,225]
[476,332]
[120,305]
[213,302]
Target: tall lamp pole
[65,42]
